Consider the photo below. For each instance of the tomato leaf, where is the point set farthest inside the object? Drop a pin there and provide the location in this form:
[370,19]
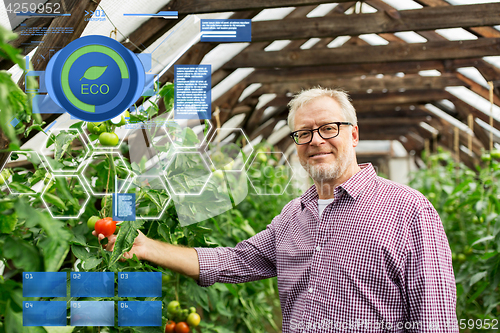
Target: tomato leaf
[54,252]
[13,320]
[91,263]
[55,200]
[23,254]
[125,239]
[7,222]
[80,252]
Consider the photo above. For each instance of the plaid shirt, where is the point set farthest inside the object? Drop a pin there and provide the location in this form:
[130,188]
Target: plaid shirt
[377,260]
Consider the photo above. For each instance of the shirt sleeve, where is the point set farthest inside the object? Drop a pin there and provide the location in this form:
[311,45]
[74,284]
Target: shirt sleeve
[250,260]
[429,279]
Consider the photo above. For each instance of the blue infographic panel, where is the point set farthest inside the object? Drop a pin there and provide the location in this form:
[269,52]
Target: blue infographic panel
[44,284]
[44,313]
[147,313]
[193,93]
[92,284]
[139,284]
[123,206]
[226,31]
[93,313]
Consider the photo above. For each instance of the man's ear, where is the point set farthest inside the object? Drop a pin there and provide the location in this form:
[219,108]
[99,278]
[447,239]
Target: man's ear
[355,135]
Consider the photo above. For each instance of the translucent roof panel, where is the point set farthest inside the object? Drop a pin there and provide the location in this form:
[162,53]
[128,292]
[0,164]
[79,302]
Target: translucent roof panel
[273,14]
[473,74]
[322,10]
[403,4]
[456,34]
[410,37]
[474,99]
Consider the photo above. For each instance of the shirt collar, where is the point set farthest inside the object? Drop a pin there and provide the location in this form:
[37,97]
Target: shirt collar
[353,186]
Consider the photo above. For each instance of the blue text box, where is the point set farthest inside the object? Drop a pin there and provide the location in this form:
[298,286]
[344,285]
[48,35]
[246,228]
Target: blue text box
[44,284]
[93,313]
[226,30]
[123,206]
[193,91]
[92,284]
[147,313]
[139,284]
[44,313]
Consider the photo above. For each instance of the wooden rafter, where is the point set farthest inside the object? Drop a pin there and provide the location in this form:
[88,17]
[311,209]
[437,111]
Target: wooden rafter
[369,54]
[428,18]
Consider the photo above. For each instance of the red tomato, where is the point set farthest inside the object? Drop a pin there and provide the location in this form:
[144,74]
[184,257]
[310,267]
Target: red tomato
[170,327]
[106,226]
[181,327]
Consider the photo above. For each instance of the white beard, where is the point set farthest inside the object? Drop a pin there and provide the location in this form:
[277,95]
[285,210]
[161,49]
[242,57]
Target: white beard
[326,172]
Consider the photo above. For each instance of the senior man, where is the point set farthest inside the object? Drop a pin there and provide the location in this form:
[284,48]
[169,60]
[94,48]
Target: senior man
[354,253]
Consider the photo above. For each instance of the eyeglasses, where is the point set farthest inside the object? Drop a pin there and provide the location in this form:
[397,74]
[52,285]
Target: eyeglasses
[326,131]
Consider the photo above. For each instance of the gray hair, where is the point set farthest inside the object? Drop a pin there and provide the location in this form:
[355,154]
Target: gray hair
[306,96]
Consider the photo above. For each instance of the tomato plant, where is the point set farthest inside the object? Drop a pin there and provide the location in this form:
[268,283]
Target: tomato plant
[468,203]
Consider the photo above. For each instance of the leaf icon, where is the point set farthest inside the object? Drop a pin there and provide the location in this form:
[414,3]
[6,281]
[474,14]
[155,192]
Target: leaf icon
[94,72]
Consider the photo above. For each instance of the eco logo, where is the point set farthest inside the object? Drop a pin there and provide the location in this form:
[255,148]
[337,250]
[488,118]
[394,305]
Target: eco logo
[95,78]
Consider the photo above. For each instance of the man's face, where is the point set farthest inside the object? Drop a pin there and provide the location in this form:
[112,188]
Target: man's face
[325,159]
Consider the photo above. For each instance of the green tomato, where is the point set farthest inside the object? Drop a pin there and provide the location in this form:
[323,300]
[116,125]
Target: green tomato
[432,195]
[192,309]
[495,154]
[91,222]
[261,157]
[108,139]
[173,307]
[193,319]
[461,257]
[486,157]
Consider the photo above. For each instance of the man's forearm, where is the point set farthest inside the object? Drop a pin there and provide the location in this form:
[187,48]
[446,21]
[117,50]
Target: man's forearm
[181,259]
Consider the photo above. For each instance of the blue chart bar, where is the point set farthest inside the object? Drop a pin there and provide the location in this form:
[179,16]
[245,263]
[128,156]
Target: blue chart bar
[139,284]
[92,284]
[93,313]
[44,284]
[44,313]
[147,313]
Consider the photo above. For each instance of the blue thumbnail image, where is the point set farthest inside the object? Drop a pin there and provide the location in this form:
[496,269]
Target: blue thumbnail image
[139,284]
[44,284]
[44,313]
[137,313]
[92,284]
[92,313]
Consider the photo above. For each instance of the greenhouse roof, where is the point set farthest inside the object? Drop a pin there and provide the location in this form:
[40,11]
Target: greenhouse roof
[416,70]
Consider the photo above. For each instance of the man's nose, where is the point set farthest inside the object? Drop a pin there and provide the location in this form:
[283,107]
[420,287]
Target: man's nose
[316,139]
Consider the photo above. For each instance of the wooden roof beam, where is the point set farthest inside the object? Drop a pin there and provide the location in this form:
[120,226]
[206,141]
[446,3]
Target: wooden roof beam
[369,54]
[214,6]
[428,18]
[366,84]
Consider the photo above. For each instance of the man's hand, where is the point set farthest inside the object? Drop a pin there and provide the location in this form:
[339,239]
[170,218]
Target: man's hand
[139,248]
[177,258]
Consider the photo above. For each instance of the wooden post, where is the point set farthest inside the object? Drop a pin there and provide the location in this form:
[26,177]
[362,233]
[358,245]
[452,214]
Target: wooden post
[470,119]
[457,144]
[491,114]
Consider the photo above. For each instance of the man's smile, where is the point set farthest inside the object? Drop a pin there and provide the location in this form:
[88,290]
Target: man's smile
[320,154]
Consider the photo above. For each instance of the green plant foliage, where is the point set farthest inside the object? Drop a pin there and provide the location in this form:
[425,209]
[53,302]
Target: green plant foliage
[468,203]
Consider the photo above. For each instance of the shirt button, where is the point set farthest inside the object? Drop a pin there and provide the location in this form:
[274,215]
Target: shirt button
[310,290]
[318,248]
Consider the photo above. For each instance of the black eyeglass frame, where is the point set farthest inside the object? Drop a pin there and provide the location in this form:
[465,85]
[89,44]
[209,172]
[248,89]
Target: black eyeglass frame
[338,123]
